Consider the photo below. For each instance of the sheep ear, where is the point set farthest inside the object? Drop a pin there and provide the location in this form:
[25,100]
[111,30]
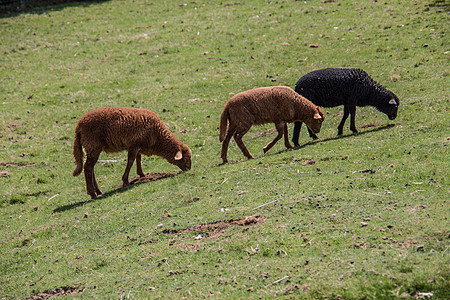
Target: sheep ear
[392,101]
[179,155]
[317,116]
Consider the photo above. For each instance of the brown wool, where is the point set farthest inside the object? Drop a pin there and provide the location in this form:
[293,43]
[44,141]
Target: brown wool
[279,105]
[116,129]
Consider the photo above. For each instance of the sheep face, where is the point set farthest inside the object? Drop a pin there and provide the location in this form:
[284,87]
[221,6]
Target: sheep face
[182,159]
[315,123]
[390,107]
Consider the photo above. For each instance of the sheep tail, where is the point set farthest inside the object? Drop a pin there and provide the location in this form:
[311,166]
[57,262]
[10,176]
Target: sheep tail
[77,154]
[223,126]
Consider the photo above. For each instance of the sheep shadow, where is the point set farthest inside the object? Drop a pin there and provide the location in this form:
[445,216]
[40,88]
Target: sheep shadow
[133,182]
[309,143]
[13,8]
[440,3]
[338,137]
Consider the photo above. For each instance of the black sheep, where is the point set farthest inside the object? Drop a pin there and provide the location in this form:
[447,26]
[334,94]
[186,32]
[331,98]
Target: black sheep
[349,87]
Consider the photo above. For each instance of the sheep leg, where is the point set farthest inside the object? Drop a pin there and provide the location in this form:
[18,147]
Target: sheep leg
[286,137]
[139,165]
[225,143]
[132,153]
[97,190]
[280,129]
[238,138]
[352,110]
[296,133]
[91,183]
[344,118]
[312,135]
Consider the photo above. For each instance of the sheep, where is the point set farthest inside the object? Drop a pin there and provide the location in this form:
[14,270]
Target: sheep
[349,87]
[116,129]
[278,104]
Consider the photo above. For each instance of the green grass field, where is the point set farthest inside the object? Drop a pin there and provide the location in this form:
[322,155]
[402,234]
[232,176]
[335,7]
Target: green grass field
[361,216]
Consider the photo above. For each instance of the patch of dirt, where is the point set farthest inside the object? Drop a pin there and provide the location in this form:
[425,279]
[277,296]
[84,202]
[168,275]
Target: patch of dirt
[368,125]
[4,173]
[151,177]
[12,126]
[271,131]
[308,162]
[193,199]
[61,291]
[216,229]
[14,164]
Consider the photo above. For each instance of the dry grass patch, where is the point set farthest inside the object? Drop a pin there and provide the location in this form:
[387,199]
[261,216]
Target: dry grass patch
[217,229]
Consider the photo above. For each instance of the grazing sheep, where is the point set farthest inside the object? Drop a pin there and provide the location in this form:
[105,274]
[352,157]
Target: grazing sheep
[116,129]
[348,87]
[279,105]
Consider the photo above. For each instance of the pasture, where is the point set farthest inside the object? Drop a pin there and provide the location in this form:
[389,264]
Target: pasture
[362,216]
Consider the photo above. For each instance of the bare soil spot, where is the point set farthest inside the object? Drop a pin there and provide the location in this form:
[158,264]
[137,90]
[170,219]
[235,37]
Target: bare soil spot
[11,126]
[61,291]
[216,229]
[4,173]
[308,162]
[368,125]
[151,177]
[193,199]
[271,131]
[14,164]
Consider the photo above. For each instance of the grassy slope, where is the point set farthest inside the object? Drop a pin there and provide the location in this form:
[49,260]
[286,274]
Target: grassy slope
[62,61]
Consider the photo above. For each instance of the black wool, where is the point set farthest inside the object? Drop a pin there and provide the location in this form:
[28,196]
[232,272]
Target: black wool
[349,87]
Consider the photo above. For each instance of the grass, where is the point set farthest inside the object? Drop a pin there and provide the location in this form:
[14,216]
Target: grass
[368,219]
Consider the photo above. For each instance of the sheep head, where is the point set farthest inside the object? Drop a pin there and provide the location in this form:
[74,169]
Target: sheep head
[316,122]
[182,158]
[388,104]
[393,107]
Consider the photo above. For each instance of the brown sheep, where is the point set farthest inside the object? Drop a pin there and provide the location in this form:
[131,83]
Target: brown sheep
[278,104]
[116,129]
